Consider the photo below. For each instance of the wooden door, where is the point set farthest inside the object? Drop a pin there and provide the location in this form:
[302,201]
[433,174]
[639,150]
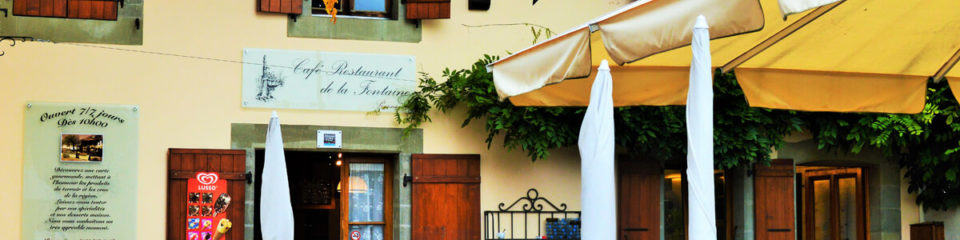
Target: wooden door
[774,200]
[638,200]
[446,197]
[183,164]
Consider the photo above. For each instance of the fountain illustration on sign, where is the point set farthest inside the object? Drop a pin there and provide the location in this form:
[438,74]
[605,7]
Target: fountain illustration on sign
[269,81]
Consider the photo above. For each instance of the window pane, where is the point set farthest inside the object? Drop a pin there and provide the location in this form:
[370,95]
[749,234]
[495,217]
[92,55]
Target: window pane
[367,232]
[848,208]
[366,192]
[673,205]
[821,206]
[370,5]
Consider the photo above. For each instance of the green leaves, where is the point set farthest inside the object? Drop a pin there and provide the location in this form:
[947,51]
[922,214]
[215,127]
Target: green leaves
[924,144]
[744,135]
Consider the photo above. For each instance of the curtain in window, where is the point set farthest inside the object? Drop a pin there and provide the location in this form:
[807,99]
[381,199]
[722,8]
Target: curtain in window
[366,199]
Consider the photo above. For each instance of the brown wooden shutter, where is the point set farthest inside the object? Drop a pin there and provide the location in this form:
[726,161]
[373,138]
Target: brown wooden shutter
[40,8]
[428,9]
[639,200]
[281,6]
[446,197]
[81,9]
[774,200]
[183,164]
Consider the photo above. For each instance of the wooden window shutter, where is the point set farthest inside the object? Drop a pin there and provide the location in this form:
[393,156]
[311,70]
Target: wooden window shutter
[92,9]
[40,8]
[774,200]
[446,197]
[80,9]
[281,6]
[428,9]
[638,200]
[184,164]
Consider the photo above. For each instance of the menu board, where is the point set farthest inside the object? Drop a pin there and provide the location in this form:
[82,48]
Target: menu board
[80,171]
[207,202]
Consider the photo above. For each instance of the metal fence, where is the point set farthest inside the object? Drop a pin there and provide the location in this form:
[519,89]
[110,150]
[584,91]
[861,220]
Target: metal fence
[527,219]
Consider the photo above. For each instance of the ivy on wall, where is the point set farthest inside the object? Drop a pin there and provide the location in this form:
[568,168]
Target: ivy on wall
[927,145]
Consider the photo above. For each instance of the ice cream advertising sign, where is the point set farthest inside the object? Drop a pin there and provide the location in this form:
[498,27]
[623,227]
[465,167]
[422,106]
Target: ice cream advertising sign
[207,202]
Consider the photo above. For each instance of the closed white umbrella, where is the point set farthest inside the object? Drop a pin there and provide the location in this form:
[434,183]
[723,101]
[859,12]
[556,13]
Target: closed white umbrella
[703,223]
[276,214]
[596,143]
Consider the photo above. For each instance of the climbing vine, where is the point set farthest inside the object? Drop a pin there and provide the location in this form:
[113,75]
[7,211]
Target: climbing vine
[927,144]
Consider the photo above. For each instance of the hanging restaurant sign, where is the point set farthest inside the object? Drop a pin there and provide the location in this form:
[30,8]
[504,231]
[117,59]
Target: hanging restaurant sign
[325,80]
[80,171]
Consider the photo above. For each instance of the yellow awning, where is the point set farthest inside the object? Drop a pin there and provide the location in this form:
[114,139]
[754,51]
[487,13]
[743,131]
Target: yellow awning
[657,80]
[863,56]
[557,72]
[953,79]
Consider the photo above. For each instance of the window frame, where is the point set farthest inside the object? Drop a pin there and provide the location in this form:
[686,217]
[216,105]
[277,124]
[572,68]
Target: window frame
[387,222]
[345,8]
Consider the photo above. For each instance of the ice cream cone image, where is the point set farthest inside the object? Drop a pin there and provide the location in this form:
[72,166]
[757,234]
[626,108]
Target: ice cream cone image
[222,228]
[223,201]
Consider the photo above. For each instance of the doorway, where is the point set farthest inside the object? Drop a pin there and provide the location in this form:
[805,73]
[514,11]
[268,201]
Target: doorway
[336,194]
[834,203]
[652,201]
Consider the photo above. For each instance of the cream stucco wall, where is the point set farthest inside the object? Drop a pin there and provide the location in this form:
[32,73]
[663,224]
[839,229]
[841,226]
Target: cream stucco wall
[190,103]
[909,211]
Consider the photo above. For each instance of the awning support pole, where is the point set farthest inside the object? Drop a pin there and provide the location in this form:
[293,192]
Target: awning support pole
[783,33]
[946,67]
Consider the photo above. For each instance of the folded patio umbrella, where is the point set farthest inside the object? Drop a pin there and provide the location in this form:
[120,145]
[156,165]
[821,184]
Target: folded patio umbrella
[596,143]
[276,214]
[699,116]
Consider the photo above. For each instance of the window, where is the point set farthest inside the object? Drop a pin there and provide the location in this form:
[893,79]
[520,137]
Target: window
[79,9]
[368,8]
[366,200]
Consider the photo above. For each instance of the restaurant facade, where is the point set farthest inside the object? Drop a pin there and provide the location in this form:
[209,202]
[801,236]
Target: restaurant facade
[145,102]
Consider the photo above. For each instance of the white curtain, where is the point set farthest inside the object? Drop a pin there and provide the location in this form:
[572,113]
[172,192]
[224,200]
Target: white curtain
[597,180]
[702,218]
[366,199]
[276,214]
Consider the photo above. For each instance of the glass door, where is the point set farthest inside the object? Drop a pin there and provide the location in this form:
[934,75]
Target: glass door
[834,204]
[367,195]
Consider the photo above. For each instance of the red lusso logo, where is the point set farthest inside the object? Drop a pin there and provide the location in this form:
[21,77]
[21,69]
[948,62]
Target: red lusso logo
[207,178]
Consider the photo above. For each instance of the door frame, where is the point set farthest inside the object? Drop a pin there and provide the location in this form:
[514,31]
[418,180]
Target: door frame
[833,175]
[405,142]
